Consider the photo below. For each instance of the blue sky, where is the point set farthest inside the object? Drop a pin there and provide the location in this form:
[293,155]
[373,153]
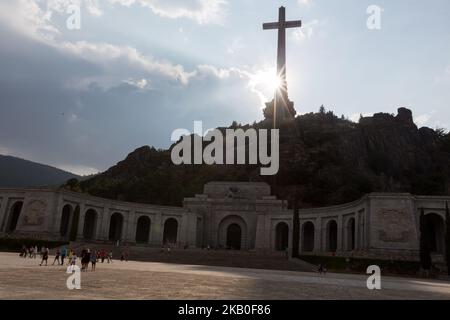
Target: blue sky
[83,99]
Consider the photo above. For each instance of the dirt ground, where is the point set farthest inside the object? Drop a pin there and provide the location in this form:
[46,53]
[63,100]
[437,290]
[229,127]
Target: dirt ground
[25,279]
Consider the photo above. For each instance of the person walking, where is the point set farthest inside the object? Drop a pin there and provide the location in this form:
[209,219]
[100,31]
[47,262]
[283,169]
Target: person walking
[110,257]
[73,259]
[85,259]
[44,252]
[94,260]
[57,255]
[63,255]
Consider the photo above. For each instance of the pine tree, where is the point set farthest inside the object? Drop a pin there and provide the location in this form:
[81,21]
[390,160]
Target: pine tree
[425,255]
[447,237]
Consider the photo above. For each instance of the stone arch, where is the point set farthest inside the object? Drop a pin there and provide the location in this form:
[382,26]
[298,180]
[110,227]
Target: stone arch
[234,237]
[435,227]
[66,216]
[115,227]
[228,235]
[308,231]
[90,224]
[331,236]
[74,225]
[351,234]
[170,235]
[14,216]
[143,229]
[281,236]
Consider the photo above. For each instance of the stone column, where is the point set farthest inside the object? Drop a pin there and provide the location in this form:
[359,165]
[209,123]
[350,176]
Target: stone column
[81,221]
[131,230]
[57,215]
[3,213]
[99,225]
[157,228]
[318,236]
[357,245]
[104,234]
[340,233]
[260,241]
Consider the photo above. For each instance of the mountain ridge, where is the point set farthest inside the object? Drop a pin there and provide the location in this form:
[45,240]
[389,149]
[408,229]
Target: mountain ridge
[19,173]
[324,160]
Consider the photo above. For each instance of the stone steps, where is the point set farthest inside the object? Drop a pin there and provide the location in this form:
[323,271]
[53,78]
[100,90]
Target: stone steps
[226,258]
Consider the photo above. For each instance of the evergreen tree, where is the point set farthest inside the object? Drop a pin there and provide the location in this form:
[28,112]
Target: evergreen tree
[425,255]
[322,109]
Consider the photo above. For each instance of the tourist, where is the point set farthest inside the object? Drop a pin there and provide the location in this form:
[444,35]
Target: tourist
[57,254]
[110,257]
[44,252]
[103,255]
[35,251]
[30,252]
[94,260]
[23,252]
[70,256]
[63,255]
[73,258]
[85,259]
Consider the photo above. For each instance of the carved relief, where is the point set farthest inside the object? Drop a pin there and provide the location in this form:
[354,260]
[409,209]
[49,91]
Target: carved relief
[35,213]
[396,225]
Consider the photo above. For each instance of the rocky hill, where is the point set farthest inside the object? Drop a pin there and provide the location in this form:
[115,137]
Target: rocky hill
[324,160]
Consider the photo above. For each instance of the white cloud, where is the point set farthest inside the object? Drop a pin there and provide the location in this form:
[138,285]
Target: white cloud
[5,151]
[201,11]
[306,31]
[424,119]
[77,169]
[26,17]
[355,117]
[305,3]
[140,84]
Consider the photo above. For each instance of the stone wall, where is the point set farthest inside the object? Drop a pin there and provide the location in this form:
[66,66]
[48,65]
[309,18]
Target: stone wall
[380,225]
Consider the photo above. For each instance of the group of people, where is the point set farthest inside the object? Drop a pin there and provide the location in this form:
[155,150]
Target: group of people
[33,251]
[86,256]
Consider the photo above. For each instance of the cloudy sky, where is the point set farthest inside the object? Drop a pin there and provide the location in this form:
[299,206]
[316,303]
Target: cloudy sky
[136,70]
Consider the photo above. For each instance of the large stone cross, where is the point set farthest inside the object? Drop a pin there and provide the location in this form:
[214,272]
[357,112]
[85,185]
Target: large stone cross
[281,108]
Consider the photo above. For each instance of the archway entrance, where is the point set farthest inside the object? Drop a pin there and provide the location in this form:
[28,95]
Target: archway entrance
[435,229]
[308,237]
[281,236]
[115,227]
[170,231]
[65,220]
[351,234]
[332,236]
[143,229]
[234,237]
[14,216]
[90,223]
[74,226]
[233,234]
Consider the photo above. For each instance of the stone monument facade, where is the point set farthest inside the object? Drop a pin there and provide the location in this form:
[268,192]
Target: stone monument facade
[229,216]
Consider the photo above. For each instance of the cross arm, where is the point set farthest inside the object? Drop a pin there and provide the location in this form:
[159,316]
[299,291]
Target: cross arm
[271,25]
[287,24]
[293,24]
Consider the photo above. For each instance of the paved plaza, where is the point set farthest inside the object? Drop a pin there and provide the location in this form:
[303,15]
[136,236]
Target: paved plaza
[25,279]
